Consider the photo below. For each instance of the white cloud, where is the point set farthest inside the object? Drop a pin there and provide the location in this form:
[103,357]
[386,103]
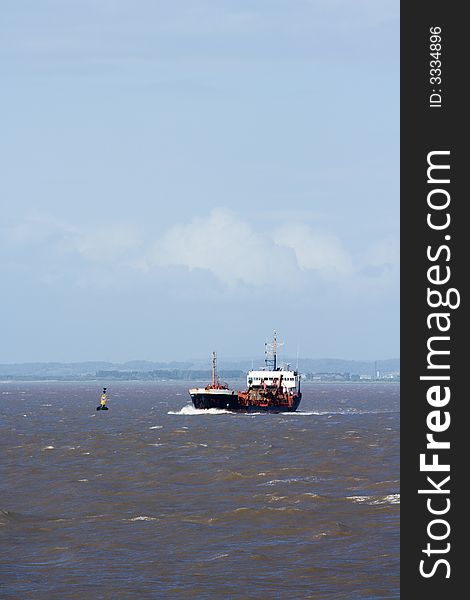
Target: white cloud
[100,244]
[315,251]
[236,251]
[379,264]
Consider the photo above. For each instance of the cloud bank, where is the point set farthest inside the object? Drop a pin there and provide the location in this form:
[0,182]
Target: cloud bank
[235,251]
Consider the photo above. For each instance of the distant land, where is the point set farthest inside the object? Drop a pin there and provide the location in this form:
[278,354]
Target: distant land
[323,369]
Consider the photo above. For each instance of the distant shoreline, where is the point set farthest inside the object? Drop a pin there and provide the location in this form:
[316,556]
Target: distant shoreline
[323,370]
[189,381]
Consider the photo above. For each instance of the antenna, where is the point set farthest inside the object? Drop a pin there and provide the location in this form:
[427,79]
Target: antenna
[270,353]
[274,349]
[297,362]
[214,369]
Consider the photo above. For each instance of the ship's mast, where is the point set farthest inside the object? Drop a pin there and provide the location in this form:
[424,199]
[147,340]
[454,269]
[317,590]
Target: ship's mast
[270,354]
[214,369]
[275,350]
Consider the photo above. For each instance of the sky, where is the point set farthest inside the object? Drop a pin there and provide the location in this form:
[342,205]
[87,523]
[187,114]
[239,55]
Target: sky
[182,177]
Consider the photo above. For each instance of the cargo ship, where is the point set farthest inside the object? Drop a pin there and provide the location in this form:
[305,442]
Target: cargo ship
[270,389]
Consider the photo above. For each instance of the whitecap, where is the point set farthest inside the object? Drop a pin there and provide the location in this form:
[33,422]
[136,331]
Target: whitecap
[216,557]
[307,479]
[359,499]
[190,410]
[389,499]
[376,500]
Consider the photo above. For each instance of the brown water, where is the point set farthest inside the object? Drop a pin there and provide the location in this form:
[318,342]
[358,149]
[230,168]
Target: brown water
[153,499]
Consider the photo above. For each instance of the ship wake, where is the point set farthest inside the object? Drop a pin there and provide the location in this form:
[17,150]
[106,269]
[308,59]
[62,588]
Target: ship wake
[189,410]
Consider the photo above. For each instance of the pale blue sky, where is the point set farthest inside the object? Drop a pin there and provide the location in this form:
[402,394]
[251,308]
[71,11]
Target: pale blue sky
[185,176]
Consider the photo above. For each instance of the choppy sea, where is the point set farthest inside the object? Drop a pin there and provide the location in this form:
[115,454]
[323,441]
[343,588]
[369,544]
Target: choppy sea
[154,499]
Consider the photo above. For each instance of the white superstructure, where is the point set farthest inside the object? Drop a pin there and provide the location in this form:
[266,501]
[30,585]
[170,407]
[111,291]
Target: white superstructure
[289,380]
[272,375]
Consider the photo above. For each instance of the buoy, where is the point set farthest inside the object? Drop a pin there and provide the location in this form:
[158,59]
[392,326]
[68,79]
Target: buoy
[103,400]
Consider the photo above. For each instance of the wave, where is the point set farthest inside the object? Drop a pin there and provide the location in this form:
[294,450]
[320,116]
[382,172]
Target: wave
[375,500]
[246,513]
[216,557]
[263,513]
[307,479]
[347,411]
[190,410]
